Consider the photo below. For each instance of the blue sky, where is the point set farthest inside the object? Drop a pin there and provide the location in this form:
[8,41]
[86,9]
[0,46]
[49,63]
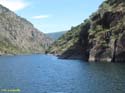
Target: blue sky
[53,15]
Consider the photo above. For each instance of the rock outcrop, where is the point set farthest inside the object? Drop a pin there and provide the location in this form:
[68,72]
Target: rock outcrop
[107,32]
[17,35]
[73,43]
[100,38]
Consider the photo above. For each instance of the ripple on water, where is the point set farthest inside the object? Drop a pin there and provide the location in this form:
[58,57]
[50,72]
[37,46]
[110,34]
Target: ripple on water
[47,74]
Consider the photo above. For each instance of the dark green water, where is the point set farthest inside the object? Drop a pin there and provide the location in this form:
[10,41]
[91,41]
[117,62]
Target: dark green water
[47,74]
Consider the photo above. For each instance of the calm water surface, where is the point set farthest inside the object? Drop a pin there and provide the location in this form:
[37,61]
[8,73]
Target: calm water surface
[47,74]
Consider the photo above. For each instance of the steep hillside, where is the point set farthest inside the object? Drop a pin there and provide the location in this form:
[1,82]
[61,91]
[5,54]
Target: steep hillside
[56,35]
[101,38]
[70,44]
[17,35]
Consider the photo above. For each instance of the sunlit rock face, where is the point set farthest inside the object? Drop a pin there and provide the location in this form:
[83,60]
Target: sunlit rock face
[17,35]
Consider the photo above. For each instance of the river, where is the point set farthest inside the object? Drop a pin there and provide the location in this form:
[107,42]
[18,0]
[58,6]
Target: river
[47,74]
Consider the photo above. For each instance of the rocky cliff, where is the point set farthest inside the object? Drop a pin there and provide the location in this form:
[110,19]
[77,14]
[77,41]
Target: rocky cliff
[73,43]
[100,38]
[17,35]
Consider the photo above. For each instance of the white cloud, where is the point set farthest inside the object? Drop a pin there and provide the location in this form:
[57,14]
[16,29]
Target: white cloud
[14,5]
[40,17]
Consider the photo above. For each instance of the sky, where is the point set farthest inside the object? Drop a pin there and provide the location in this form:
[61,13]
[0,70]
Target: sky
[53,15]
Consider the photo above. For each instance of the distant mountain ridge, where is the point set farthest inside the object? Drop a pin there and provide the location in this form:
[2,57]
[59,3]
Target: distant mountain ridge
[99,38]
[17,35]
[56,35]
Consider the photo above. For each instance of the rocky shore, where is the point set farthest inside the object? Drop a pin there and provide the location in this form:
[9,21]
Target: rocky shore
[99,38]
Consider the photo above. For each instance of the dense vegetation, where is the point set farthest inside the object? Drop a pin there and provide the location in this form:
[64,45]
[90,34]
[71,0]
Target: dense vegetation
[100,38]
